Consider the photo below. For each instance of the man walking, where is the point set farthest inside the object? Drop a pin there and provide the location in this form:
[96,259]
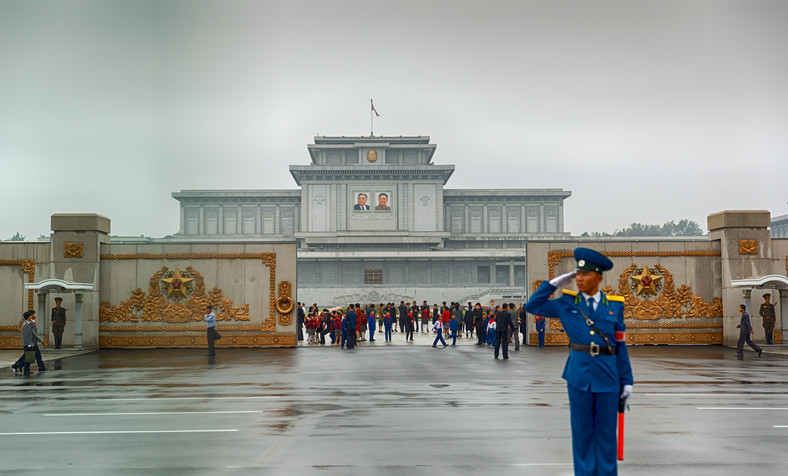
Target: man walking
[210,322]
[745,329]
[767,313]
[515,327]
[503,329]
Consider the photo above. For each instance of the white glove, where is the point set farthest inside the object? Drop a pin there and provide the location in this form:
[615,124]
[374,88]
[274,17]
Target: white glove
[563,280]
[626,392]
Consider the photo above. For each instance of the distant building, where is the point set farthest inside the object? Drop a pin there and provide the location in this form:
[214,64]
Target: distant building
[374,223]
[779,226]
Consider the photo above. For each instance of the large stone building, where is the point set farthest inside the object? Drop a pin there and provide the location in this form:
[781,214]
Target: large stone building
[373,222]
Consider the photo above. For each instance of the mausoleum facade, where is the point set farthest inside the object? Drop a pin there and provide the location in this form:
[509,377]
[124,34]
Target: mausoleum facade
[373,222]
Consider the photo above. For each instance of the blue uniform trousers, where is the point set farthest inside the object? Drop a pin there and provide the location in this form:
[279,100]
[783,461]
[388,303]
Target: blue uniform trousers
[541,339]
[593,418]
[439,337]
[388,333]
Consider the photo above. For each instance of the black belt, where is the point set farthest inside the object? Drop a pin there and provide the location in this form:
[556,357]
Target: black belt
[592,349]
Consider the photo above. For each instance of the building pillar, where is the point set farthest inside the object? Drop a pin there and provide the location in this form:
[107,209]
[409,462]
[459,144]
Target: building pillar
[41,323]
[781,314]
[511,273]
[78,322]
[747,296]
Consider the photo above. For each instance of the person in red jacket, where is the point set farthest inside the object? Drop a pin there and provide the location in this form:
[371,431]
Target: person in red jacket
[445,318]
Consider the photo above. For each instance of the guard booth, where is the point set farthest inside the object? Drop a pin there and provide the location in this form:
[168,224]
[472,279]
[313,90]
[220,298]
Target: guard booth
[58,286]
[777,286]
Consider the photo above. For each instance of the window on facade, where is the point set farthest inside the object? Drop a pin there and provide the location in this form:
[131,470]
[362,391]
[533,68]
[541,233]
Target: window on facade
[373,276]
[456,221]
[552,221]
[502,274]
[495,222]
[483,274]
[192,222]
[287,222]
[533,221]
[476,222]
[514,222]
[268,223]
[249,221]
[212,222]
[229,222]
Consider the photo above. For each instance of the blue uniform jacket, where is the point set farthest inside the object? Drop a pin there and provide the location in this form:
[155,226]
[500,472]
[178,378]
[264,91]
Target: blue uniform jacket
[350,320]
[602,373]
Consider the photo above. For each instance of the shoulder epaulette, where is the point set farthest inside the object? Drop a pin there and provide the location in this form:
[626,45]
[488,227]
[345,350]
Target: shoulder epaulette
[571,293]
[615,298]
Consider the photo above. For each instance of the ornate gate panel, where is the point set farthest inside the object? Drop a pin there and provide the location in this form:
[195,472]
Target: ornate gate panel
[170,313]
[656,311]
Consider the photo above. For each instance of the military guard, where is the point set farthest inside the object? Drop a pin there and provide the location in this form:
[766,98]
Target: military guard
[58,322]
[597,372]
[769,317]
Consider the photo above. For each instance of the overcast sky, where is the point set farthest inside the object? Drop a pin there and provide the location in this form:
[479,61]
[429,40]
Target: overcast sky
[645,111]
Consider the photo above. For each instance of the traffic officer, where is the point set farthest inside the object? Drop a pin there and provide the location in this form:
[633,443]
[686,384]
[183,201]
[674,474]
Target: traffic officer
[597,372]
[767,313]
[540,329]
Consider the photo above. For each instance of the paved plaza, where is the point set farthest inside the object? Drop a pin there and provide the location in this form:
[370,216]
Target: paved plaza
[382,409]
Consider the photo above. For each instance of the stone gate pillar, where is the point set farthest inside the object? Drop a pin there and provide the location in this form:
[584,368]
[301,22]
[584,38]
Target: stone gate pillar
[76,249]
[745,243]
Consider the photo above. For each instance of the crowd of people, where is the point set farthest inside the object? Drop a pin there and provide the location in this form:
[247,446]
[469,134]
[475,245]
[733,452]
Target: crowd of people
[344,327]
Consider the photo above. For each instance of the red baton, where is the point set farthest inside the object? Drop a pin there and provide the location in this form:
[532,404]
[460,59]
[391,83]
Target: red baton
[621,408]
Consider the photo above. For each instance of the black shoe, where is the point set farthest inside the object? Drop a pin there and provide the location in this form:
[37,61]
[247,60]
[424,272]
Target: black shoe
[506,358]
[496,358]
[435,346]
[760,352]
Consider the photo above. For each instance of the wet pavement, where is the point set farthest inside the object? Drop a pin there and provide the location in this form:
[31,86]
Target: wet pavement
[382,409]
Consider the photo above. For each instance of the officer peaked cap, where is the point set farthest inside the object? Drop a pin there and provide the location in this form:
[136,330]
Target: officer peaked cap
[590,260]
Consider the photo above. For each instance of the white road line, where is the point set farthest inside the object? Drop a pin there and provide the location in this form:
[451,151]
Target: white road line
[541,464]
[179,398]
[742,408]
[149,413]
[109,432]
[715,394]
[781,426]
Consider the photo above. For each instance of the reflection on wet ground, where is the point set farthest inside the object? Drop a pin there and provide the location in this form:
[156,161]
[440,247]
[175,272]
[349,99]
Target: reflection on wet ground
[383,410]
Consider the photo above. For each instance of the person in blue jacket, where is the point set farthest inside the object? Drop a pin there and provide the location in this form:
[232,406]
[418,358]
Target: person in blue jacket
[598,372]
[371,317]
[454,327]
[350,326]
[540,329]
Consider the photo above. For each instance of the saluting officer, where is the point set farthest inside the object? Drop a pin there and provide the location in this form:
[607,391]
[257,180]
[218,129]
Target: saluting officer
[597,372]
[767,313]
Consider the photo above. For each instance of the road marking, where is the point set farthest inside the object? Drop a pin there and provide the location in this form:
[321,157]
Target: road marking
[179,398]
[742,408]
[541,464]
[148,413]
[715,394]
[109,432]
[781,426]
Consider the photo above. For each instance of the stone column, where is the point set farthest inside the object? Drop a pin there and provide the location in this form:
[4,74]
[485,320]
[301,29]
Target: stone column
[75,245]
[41,322]
[782,317]
[737,231]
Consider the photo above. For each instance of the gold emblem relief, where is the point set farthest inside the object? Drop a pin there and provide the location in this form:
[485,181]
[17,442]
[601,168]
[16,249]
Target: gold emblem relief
[155,307]
[372,155]
[555,257]
[748,247]
[269,259]
[28,267]
[72,250]
[670,303]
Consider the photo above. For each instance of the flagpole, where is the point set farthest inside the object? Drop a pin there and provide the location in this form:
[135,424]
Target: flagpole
[371,129]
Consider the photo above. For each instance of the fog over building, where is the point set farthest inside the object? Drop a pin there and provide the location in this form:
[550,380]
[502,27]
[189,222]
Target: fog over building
[374,223]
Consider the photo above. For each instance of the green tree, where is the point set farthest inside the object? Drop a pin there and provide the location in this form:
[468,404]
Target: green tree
[17,237]
[682,228]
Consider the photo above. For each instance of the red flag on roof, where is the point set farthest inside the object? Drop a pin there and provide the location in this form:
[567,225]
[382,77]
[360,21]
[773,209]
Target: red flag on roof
[373,108]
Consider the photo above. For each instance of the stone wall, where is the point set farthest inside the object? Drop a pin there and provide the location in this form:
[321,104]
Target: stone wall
[149,295]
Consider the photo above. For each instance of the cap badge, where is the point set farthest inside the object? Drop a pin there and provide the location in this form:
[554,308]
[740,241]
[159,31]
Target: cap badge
[582,262]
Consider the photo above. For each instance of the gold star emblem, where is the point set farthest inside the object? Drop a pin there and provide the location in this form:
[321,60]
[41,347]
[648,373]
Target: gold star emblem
[646,282]
[177,285]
